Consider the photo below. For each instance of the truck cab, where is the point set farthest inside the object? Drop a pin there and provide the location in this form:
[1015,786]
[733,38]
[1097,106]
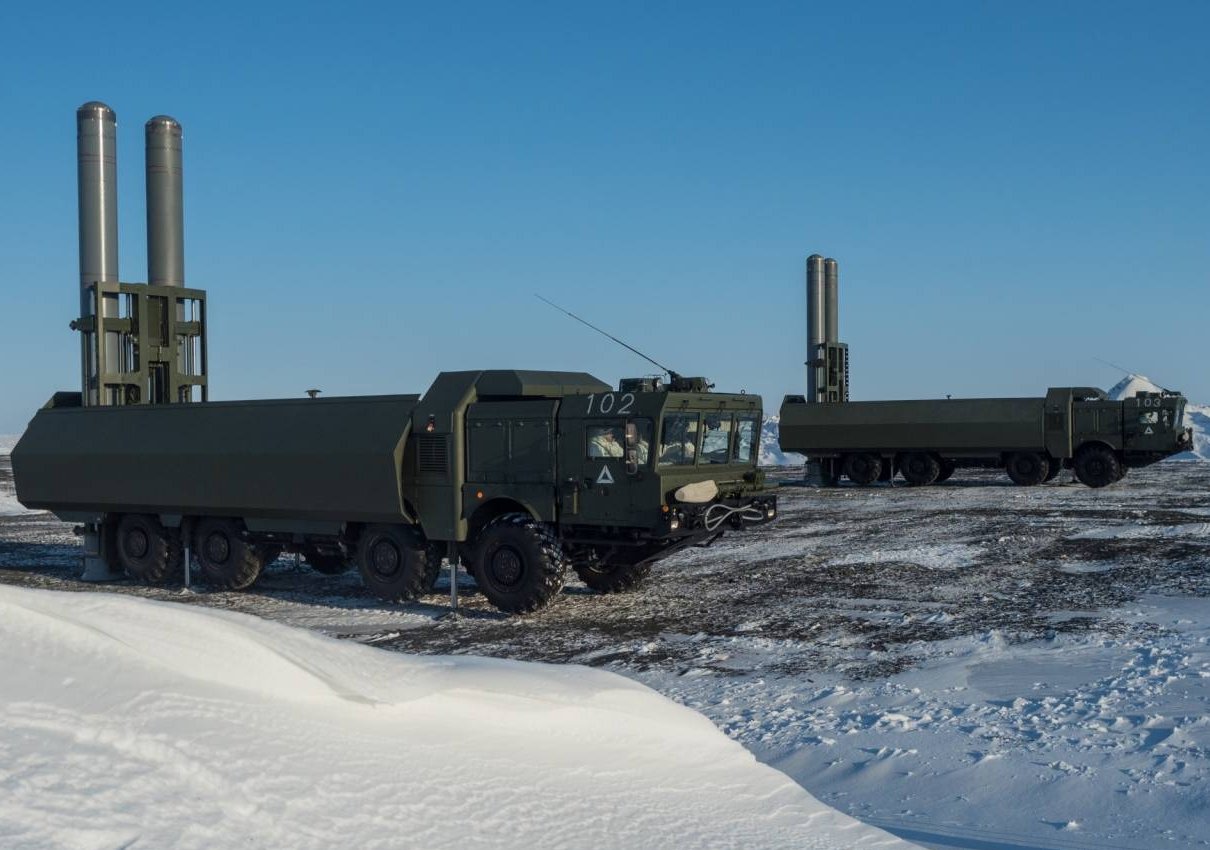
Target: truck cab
[528,471]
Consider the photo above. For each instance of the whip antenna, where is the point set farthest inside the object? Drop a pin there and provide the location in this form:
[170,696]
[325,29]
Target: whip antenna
[662,367]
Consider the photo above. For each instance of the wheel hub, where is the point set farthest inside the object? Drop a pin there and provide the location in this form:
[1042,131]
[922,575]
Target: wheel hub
[218,548]
[137,543]
[385,558]
[506,566]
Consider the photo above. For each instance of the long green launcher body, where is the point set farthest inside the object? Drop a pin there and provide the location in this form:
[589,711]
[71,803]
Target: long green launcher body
[304,459]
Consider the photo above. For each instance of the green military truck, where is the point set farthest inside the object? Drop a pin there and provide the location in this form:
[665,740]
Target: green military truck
[1031,438]
[518,473]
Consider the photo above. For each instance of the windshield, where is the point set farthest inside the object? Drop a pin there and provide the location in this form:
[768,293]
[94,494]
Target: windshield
[678,439]
[698,439]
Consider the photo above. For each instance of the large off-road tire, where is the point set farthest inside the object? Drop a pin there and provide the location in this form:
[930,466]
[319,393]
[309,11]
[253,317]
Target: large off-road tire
[1097,466]
[612,578]
[919,469]
[396,563]
[1053,469]
[1027,469]
[947,470]
[517,563]
[228,561]
[862,469]
[330,563]
[146,551]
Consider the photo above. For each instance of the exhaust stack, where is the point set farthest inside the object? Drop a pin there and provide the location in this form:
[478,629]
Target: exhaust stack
[831,274]
[815,324]
[97,184]
[165,207]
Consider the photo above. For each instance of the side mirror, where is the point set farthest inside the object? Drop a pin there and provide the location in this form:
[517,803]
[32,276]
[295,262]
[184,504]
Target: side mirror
[632,460]
[632,435]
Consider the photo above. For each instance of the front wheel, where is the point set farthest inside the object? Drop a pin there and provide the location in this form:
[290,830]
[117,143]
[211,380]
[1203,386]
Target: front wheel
[395,563]
[1027,468]
[517,564]
[1097,466]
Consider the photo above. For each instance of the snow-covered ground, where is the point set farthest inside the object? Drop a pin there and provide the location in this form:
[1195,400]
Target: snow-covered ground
[132,723]
[972,665]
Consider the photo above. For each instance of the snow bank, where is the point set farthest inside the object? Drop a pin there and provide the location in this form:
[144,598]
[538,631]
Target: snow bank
[126,722]
[770,452]
[7,441]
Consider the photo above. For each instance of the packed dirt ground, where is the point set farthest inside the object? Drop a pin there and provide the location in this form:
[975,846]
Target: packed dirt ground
[842,577]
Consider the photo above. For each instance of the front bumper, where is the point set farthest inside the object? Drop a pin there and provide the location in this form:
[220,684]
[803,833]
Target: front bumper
[719,515]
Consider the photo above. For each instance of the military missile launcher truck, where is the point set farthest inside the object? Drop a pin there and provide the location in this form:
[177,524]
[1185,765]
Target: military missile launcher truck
[519,473]
[1031,438]
[926,440]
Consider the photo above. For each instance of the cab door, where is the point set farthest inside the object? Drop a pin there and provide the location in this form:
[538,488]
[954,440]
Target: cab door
[594,484]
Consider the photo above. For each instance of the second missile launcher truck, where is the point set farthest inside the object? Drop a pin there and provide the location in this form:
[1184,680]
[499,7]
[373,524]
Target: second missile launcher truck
[1032,439]
[926,440]
[522,472]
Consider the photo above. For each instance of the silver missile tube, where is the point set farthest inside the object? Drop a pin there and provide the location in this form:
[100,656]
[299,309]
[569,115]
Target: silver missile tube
[97,184]
[831,276]
[165,207]
[815,324]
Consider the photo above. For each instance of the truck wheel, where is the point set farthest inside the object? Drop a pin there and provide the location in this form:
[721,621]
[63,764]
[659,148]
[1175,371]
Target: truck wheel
[1053,470]
[862,468]
[395,563]
[612,578]
[328,563]
[919,469]
[517,564]
[1097,466]
[947,470]
[227,560]
[1027,468]
[146,551]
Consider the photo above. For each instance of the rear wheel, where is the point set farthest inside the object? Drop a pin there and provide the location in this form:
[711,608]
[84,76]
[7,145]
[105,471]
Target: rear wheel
[612,578]
[227,560]
[1053,470]
[919,469]
[328,562]
[1027,468]
[395,563]
[1097,466]
[518,564]
[947,470]
[862,468]
[146,551]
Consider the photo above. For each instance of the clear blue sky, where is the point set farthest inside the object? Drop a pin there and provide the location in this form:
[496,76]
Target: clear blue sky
[373,192]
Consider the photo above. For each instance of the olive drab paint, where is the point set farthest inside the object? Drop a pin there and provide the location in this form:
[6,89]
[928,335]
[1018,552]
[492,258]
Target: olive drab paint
[925,440]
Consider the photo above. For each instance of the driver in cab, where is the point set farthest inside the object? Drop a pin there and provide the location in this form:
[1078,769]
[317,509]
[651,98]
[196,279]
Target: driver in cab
[604,442]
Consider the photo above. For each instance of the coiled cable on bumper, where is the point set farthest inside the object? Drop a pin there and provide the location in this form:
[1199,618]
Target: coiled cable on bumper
[719,513]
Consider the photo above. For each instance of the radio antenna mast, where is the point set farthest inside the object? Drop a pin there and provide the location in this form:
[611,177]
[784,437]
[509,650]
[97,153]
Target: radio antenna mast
[671,374]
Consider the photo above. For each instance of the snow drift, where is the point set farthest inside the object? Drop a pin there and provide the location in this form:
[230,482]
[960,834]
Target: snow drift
[127,722]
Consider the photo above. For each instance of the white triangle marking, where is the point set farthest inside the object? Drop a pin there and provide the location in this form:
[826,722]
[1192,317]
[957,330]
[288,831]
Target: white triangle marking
[605,477]
[1148,431]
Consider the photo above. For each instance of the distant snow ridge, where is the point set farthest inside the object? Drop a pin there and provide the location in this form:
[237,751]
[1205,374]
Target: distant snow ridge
[7,441]
[1196,415]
